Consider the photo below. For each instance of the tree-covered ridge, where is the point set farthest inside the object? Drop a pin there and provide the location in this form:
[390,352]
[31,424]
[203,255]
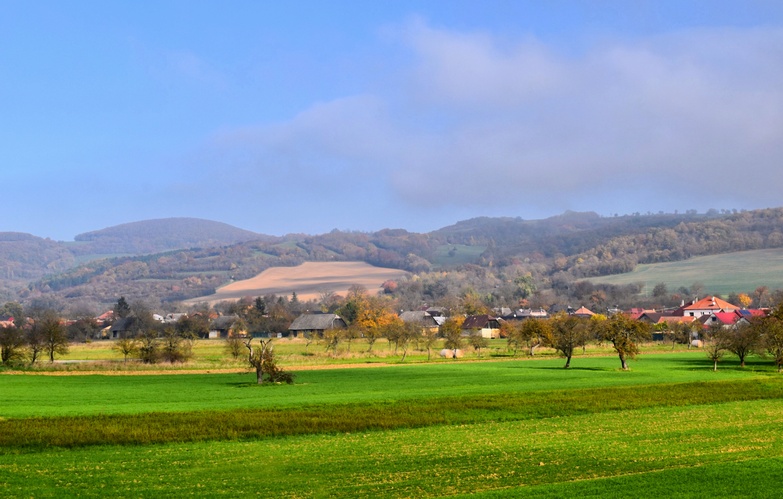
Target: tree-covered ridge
[487,256]
[750,230]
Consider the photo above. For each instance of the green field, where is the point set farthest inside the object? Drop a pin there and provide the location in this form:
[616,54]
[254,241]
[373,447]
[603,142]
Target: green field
[721,274]
[507,428]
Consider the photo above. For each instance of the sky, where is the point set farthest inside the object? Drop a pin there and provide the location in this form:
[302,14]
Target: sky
[309,116]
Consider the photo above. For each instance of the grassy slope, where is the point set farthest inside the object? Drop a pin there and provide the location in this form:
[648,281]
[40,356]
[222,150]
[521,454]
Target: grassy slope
[732,272]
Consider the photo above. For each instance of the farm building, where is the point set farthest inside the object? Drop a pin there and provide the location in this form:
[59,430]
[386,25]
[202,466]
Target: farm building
[316,323]
[487,325]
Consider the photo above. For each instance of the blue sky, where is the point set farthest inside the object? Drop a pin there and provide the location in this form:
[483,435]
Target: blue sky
[306,116]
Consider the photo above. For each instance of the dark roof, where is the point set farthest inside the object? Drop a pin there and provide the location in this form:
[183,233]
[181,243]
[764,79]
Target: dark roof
[317,322]
[418,317]
[224,322]
[480,322]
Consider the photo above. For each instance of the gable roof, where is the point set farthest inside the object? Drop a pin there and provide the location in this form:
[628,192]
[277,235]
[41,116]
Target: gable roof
[418,317]
[478,321]
[584,311]
[316,322]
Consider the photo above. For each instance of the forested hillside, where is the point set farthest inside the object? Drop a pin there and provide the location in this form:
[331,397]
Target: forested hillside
[508,259]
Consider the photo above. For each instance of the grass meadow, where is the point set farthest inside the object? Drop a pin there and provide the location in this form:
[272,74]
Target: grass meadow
[742,271]
[501,428]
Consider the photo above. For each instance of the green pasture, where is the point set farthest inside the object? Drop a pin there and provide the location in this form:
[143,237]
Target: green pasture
[447,255]
[721,274]
[40,395]
[503,428]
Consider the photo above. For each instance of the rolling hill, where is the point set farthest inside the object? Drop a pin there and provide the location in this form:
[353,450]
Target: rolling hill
[180,259]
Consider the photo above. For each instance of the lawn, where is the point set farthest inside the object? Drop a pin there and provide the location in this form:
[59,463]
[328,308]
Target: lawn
[510,428]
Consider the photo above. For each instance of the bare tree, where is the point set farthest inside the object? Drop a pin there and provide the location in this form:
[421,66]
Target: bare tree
[53,334]
[12,343]
[715,344]
[262,358]
[743,340]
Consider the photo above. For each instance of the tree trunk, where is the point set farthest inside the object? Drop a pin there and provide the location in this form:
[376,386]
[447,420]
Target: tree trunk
[714,366]
[533,349]
[623,363]
[259,375]
[568,362]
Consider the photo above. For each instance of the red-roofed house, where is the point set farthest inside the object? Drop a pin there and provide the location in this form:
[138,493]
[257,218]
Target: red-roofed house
[583,312]
[707,306]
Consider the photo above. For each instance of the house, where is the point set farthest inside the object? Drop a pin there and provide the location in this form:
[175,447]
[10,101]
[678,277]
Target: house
[420,317]
[222,326]
[526,313]
[123,328]
[316,324]
[649,317]
[486,325]
[726,319]
[707,306]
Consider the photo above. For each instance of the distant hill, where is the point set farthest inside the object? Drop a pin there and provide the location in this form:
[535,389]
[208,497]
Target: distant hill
[24,257]
[181,258]
[166,234]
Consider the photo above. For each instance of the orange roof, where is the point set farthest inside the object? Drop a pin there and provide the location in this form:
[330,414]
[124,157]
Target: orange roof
[712,303]
[583,311]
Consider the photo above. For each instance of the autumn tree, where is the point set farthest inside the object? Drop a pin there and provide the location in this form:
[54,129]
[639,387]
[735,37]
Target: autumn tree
[477,342]
[770,329]
[126,347]
[451,330]
[404,334]
[624,333]
[680,332]
[526,334]
[430,339]
[744,300]
[567,332]
[743,340]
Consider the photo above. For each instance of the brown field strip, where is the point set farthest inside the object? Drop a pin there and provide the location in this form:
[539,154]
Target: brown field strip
[309,281]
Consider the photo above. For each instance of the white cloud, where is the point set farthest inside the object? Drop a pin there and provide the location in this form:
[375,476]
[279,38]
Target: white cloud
[670,122]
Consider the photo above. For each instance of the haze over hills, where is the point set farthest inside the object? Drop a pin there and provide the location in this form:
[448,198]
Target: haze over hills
[155,236]
[184,258]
